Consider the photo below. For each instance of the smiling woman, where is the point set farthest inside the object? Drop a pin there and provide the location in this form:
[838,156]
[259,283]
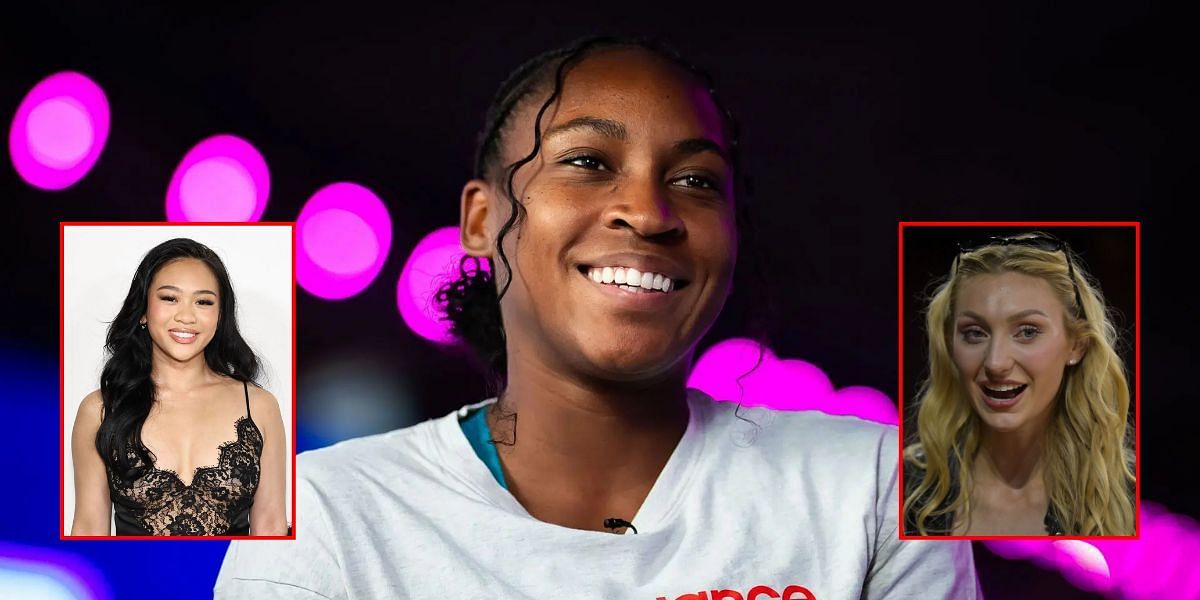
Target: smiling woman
[177,441]
[1021,425]
[605,199]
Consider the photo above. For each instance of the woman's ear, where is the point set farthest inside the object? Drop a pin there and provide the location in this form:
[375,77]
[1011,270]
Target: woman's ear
[473,219]
[1077,351]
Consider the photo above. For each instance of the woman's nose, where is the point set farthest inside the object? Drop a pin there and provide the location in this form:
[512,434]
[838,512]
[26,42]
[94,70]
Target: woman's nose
[185,314]
[999,360]
[645,207]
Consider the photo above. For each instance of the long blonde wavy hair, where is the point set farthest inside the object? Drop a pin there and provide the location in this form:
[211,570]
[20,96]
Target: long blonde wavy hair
[1088,461]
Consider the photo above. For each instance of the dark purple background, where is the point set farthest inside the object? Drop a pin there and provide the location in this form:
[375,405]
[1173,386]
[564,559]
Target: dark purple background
[851,122]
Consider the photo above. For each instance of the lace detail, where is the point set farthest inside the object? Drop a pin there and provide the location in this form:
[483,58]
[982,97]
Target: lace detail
[159,501]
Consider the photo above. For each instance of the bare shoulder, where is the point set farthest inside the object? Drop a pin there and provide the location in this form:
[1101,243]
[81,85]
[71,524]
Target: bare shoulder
[91,409]
[263,402]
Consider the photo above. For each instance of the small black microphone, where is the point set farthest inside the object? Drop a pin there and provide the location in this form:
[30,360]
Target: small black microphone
[613,523]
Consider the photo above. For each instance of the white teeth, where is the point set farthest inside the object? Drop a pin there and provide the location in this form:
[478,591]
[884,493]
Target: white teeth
[1004,388]
[630,278]
[183,335]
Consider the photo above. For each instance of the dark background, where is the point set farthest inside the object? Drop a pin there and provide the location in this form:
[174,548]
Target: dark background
[851,122]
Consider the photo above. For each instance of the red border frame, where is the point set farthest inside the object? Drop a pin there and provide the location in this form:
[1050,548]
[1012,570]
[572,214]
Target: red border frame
[1137,369]
[62,456]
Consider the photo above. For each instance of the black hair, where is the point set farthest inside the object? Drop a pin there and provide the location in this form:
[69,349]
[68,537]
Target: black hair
[472,301]
[125,385]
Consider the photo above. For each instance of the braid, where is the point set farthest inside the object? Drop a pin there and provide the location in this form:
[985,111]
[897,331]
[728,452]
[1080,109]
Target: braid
[515,88]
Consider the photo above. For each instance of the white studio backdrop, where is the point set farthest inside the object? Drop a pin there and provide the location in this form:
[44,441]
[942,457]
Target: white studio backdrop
[99,262]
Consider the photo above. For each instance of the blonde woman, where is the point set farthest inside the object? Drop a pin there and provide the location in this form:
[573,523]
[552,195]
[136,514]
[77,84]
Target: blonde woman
[1022,424]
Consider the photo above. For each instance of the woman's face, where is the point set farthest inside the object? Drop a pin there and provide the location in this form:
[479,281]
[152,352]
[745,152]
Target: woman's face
[1011,347]
[632,184]
[182,309]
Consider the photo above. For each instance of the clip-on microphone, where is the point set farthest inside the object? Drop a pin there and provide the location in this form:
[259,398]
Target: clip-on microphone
[613,523]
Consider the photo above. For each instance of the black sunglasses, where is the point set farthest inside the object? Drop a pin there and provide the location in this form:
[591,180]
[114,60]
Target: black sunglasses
[1041,242]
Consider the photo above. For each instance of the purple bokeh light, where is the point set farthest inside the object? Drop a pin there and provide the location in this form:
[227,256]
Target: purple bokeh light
[1161,564]
[432,262]
[221,179]
[782,384]
[1083,565]
[35,572]
[59,131]
[343,236]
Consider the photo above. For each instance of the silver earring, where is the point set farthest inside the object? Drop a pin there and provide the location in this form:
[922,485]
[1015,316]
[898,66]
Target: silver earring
[144,326]
[1070,362]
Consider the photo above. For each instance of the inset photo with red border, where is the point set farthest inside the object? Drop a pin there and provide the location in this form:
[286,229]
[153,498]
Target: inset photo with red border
[177,380]
[1019,371]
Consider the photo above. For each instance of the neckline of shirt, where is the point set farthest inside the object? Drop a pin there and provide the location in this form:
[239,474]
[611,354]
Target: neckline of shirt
[460,461]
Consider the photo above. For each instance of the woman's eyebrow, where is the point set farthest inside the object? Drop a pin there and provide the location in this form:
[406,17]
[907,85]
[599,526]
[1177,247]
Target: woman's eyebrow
[171,287]
[692,146]
[1021,315]
[616,130]
[1027,313]
[604,127]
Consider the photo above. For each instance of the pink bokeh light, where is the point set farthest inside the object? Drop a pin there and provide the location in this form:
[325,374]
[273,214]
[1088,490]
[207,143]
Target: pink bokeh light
[221,179]
[1160,564]
[782,384]
[433,262]
[343,235]
[1083,564]
[59,131]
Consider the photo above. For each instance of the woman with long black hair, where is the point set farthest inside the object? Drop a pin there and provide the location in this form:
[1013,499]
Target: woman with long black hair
[178,384]
[606,199]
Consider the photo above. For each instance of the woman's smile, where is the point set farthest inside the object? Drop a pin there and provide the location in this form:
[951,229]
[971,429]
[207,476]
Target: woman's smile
[635,281]
[625,252]
[631,297]
[182,335]
[183,309]
[1001,396]
[1011,348]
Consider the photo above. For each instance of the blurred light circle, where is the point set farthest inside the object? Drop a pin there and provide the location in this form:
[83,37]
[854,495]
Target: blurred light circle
[731,371]
[221,179]
[864,403]
[353,392]
[717,371]
[1083,564]
[344,234]
[59,131]
[794,384]
[50,574]
[432,263]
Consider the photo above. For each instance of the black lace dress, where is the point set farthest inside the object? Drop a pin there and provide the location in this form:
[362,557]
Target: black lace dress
[153,501]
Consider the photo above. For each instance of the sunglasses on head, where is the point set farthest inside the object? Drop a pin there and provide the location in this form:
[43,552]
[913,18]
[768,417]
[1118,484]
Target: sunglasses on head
[1041,242]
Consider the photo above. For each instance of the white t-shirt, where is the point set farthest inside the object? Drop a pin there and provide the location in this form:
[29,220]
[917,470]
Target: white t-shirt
[795,506]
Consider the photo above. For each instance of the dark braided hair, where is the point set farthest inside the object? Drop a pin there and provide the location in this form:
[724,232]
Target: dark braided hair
[472,302]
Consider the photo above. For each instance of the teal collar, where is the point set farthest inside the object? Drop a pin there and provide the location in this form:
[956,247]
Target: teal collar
[475,427]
